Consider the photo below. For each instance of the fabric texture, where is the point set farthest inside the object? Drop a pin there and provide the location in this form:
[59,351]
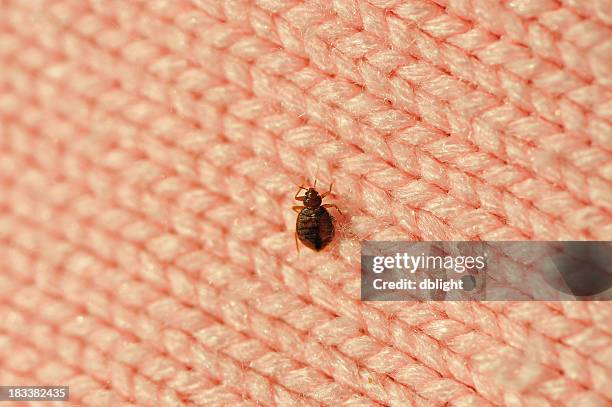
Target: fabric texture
[149,155]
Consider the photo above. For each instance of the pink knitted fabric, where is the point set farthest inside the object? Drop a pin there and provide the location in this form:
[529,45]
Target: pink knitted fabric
[150,151]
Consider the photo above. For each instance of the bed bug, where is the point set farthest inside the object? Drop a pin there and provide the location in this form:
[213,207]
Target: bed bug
[314,226]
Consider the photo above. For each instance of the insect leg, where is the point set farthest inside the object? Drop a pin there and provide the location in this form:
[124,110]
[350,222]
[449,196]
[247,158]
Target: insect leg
[332,206]
[297,246]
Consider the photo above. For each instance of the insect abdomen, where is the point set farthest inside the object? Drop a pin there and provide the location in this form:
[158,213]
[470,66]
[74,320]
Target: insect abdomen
[315,227]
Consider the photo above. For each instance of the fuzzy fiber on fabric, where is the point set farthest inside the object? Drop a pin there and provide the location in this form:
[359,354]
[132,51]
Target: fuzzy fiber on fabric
[150,151]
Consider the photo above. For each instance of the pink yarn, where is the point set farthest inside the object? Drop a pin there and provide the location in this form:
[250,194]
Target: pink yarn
[150,150]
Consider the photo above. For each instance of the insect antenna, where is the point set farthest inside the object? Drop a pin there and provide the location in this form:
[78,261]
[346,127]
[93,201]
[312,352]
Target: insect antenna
[300,185]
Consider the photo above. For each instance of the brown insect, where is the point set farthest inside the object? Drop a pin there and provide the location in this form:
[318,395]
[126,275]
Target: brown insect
[314,225]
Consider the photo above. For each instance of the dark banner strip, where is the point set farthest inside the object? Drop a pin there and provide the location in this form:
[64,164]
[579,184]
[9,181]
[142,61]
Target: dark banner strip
[486,271]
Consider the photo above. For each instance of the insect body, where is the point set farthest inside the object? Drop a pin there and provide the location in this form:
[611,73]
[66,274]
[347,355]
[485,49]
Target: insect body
[314,225]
